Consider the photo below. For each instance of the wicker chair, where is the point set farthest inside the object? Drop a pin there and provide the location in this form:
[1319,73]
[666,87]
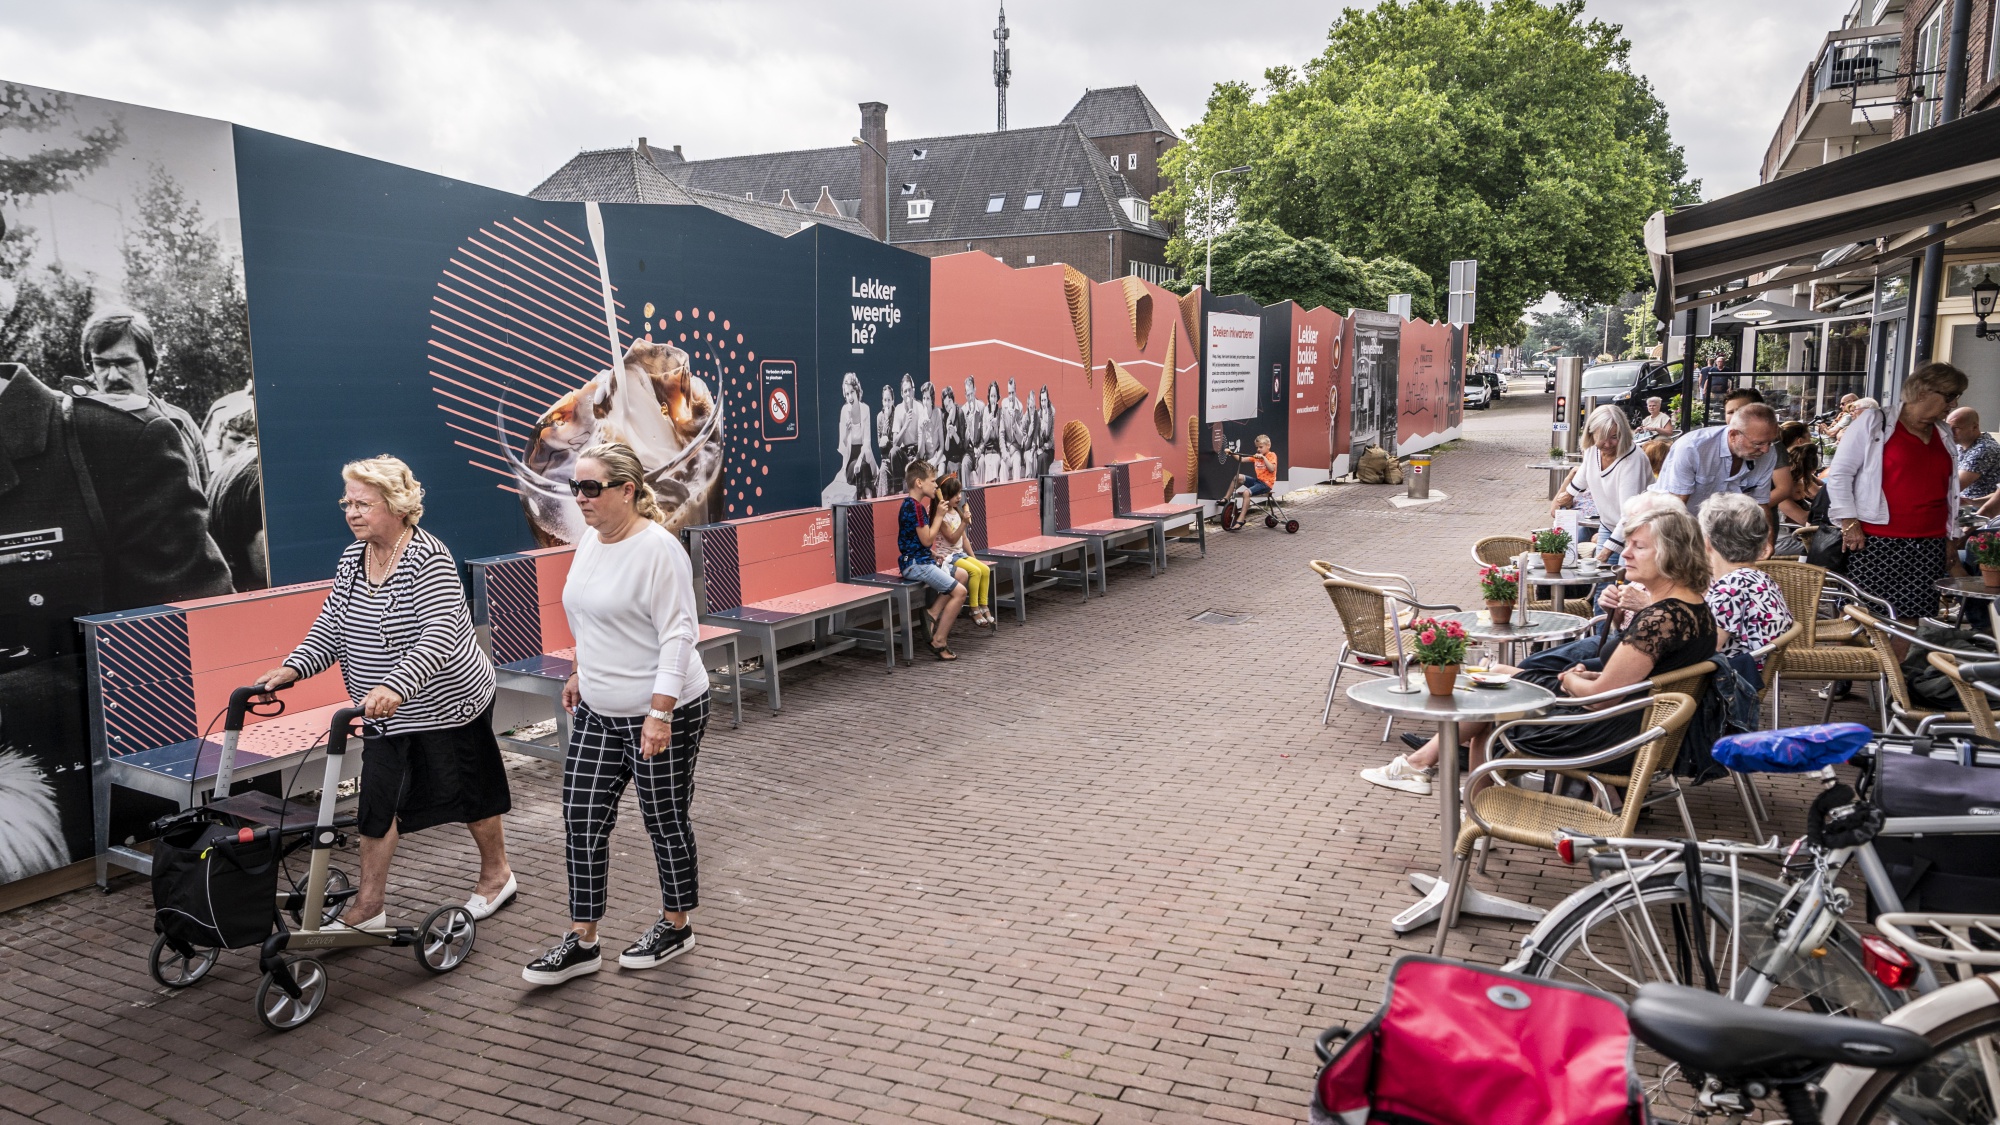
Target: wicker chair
[1530,818]
[1501,550]
[1373,619]
[1818,653]
[1900,710]
[1978,707]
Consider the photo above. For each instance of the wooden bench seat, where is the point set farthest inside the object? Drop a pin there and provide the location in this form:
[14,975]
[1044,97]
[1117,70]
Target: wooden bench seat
[773,577]
[1135,483]
[1006,532]
[1080,503]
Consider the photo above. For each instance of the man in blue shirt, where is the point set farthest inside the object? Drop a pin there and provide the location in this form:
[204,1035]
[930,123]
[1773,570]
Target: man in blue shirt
[1737,457]
[1978,457]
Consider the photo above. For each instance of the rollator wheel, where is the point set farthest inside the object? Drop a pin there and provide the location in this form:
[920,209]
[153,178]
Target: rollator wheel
[175,971]
[282,1013]
[336,880]
[1291,527]
[446,939]
[1270,520]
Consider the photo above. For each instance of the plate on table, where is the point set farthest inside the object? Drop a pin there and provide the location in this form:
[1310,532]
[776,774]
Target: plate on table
[1490,679]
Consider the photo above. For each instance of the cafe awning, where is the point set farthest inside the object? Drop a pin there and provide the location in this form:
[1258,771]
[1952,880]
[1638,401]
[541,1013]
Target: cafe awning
[1949,174]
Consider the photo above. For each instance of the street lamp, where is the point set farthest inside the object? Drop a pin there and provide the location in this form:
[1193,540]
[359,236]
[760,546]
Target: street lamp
[885,181]
[1983,295]
[1208,271]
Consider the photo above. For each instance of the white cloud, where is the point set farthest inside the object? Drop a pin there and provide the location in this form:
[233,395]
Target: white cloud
[502,92]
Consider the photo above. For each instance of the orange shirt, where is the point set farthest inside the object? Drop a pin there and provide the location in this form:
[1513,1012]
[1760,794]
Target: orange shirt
[1267,467]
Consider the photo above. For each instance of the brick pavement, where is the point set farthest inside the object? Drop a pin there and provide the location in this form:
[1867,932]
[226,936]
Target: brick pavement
[1107,868]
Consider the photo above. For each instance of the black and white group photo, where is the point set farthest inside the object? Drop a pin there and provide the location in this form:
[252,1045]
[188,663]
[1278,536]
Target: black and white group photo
[1003,435]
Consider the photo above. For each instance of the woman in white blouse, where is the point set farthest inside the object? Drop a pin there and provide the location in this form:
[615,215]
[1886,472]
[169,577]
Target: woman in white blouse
[1613,471]
[640,703]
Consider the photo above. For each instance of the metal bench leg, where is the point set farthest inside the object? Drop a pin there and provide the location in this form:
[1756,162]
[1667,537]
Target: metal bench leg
[1019,573]
[562,724]
[909,625]
[1158,541]
[889,635]
[100,818]
[768,639]
[735,682]
[1201,533]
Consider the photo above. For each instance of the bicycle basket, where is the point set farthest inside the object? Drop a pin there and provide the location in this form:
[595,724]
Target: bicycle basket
[213,889]
[1792,750]
[1455,1043]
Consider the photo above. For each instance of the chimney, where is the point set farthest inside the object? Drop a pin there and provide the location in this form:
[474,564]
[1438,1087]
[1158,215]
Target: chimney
[645,152]
[677,152]
[786,200]
[874,158]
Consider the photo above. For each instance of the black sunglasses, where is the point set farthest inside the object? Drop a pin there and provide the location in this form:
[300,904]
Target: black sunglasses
[590,488]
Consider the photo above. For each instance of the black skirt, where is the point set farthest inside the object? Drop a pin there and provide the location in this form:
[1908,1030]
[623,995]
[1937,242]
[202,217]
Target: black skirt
[420,780]
[1902,572]
[1579,739]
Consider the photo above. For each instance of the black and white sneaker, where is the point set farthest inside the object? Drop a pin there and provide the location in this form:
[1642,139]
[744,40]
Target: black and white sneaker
[659,945]
[569,958]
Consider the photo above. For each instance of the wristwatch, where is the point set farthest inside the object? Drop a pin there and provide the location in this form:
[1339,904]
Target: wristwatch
[656,713]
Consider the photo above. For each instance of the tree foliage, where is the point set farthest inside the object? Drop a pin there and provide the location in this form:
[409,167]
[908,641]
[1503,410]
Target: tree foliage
[1429,130]
[177,274]
[1259,260]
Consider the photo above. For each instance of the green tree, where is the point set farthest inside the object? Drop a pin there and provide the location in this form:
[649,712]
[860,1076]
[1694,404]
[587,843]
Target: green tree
[1429,130]
[1259,260]
[177,274]
[42,313]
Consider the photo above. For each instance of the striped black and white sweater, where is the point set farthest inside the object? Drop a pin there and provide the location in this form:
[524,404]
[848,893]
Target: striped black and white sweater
[412,634]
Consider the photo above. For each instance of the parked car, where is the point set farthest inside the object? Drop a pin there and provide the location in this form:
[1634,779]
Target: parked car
[1493,379]
[1628,383]
[1549,381]
[1482,388]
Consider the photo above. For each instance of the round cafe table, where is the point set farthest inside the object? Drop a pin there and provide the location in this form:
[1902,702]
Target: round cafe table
[1965,590]
[1526,627]
[1518,699]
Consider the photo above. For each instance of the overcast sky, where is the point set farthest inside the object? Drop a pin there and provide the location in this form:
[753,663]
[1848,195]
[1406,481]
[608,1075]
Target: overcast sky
[502,92]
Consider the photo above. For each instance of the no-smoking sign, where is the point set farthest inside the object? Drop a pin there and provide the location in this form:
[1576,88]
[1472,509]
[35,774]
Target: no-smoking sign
[777,381]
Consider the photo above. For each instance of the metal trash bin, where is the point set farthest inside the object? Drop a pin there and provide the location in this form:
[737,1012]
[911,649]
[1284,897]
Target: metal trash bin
[1417,472]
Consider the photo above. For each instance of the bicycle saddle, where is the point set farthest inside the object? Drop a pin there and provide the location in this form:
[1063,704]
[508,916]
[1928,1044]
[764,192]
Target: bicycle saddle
[1734,1041]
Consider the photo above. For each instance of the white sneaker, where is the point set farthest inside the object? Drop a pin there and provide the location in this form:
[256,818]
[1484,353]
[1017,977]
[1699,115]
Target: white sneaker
[1400,774]
[481,908]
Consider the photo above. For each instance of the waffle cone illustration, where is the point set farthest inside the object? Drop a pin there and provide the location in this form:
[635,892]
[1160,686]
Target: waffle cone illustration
[1139,307]
[1194,453]
[1076,293]
[1191,315]
[1076,445]
[1167,489]
[1121,391]
[1163,401]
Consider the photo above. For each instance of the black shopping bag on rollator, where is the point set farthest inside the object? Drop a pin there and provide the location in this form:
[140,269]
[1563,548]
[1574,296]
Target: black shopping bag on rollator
[215,887]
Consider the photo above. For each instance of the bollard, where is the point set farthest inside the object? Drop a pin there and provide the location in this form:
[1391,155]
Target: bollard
[1419,476]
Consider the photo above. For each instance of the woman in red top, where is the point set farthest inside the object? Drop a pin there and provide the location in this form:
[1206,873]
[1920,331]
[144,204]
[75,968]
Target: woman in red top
[1893,490]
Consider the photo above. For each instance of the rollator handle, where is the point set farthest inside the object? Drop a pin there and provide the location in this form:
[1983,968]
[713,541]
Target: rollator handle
[242,702]
[1981,671]
[343,720]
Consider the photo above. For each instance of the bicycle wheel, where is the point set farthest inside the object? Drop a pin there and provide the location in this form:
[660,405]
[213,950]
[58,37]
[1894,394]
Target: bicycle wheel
[1959,1084]
[1612,939]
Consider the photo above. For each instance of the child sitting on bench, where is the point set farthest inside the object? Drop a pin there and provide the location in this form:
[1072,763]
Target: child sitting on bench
[951,550]
[916,531]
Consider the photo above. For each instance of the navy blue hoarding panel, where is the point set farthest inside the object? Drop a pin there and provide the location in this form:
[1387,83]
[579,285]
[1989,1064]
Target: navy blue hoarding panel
[874,308]
[732,297]
[1273,418]
[343,257]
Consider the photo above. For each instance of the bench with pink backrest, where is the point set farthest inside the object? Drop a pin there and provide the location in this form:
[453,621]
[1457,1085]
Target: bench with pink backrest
[865,552]
[517,605]
[1079,503]
[159,680]
[773,577]
[1139,492]
[1006,533]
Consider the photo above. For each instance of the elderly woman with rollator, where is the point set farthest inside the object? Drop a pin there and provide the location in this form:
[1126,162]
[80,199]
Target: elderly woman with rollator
[397,624]
[640,703]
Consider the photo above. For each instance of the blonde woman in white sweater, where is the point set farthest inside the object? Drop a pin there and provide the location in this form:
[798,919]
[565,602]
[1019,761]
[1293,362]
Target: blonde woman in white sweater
[640,703]
[1613,471]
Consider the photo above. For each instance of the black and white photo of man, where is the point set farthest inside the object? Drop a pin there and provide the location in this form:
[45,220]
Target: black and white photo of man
[1014,435]
[989,437]
[121,354]
[973,420]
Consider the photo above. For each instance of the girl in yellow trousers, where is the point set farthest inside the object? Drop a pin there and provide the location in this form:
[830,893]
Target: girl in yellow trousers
[953,551]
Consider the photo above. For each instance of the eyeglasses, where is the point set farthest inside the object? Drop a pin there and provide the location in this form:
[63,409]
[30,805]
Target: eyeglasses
[122,363]
[590,488]
[356,507]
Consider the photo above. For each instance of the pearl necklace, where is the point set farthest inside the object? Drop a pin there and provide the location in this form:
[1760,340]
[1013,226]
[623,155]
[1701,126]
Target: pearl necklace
[390,562]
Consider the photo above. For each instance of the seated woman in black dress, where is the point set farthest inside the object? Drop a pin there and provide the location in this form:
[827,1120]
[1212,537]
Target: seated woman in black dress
[1666,567]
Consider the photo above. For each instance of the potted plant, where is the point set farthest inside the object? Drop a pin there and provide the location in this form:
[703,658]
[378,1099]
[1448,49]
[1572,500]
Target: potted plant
[1555,453]
[1501,588]
[1986,549]
[1552,542]
[1440,649]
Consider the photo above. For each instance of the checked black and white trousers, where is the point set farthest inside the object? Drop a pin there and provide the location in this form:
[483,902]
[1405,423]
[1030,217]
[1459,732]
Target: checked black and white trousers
[603,757]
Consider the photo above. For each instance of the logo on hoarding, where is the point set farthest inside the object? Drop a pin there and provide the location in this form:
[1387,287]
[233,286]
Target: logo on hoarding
[819,531]
[777,385]
[1031,496]
[1159,473]
[1104,483]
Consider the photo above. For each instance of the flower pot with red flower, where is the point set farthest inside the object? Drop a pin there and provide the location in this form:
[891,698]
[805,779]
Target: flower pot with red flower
[1440,649]
[1986,552]
[1501,587]
[1552,543]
